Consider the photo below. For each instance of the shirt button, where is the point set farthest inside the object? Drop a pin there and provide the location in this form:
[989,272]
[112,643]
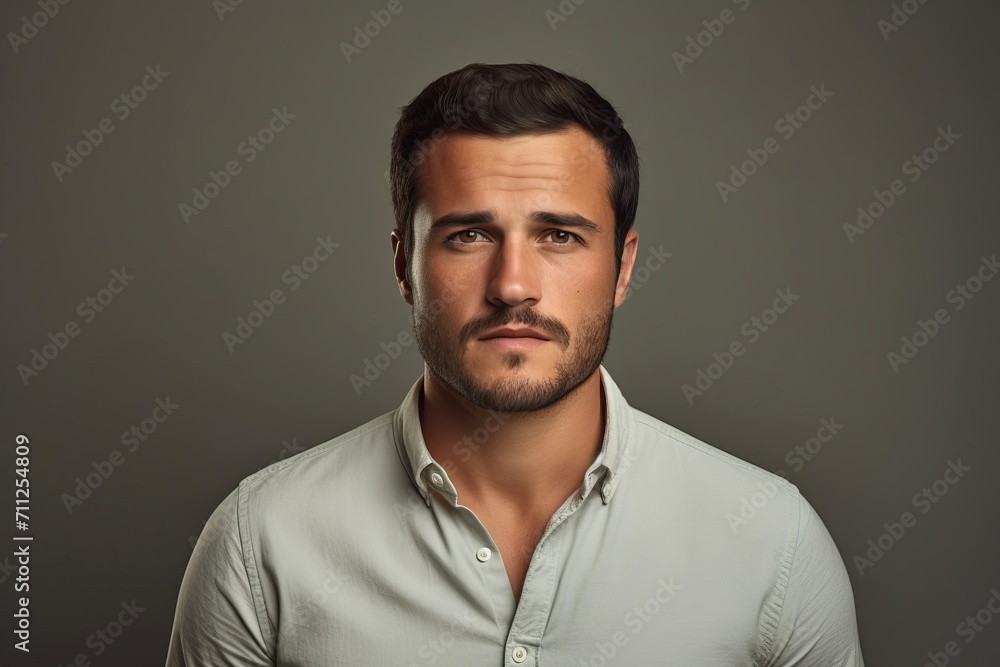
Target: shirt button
[519,654]
[484,554]
[606,491]
[437,480]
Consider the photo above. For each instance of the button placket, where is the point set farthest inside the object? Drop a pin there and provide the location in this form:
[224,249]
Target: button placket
[535,604]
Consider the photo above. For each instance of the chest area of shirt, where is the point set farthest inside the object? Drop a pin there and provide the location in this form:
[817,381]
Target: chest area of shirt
[517,544]
[443,580]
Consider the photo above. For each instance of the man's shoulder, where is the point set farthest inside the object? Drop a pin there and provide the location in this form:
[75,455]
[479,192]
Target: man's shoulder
[727,500]
[718,483]
[320,465]
[328,482]
[698,452]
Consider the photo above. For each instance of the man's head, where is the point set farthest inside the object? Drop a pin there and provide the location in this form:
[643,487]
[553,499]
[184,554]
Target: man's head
[514,189]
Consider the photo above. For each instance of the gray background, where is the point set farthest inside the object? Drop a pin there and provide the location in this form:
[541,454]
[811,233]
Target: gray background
[287,387]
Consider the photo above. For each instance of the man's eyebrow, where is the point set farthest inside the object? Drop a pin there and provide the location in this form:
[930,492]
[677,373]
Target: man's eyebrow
[566,220]
[463,219]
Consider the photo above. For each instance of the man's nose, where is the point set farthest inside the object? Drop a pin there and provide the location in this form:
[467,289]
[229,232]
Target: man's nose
[514,273]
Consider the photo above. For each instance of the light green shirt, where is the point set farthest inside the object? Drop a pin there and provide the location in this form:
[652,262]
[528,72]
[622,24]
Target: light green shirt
[671,552]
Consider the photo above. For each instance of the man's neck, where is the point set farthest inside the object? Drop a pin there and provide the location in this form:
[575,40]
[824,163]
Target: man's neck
[523,462]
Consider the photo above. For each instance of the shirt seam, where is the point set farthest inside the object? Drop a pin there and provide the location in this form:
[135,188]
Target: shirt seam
[250,566]
[245,529]
[721,455]
[548,616]
[377,423]
[773,610]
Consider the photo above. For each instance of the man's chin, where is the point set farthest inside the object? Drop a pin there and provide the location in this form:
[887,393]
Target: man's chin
[496,367]
[498,376]
[506,401]
[502,389]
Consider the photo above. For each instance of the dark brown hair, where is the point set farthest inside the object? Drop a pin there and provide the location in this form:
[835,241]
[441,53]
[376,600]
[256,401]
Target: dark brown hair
[504,100]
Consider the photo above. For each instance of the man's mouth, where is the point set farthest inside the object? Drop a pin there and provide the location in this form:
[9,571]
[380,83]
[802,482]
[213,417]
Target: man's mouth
[515,333]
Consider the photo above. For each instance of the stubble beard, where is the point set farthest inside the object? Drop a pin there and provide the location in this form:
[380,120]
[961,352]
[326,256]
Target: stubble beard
[514,392]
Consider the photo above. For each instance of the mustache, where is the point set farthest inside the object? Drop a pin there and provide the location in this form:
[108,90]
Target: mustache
[516,318]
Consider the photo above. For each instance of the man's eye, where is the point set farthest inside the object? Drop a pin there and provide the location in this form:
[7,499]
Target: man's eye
[559,236]
[466,235]
[562,237]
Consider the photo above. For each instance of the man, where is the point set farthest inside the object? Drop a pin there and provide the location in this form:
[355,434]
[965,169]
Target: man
[514,509]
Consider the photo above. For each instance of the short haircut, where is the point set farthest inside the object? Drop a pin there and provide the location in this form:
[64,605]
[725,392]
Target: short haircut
[506,100]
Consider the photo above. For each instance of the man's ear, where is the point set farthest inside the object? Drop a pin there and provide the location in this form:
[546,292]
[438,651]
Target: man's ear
[631,247]
[399,266]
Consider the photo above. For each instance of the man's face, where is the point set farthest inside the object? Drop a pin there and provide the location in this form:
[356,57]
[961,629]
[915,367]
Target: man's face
[502,238]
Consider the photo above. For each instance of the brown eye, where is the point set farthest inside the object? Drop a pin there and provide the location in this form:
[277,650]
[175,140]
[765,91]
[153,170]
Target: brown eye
[467,235]
[562,237]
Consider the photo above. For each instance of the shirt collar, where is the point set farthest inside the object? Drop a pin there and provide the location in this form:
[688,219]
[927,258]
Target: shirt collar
[614,458]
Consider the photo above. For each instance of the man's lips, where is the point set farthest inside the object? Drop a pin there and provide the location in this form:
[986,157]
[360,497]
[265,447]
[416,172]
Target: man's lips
[514,342]
[513,333]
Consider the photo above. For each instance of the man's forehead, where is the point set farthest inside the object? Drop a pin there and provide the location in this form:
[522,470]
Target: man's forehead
[566,165]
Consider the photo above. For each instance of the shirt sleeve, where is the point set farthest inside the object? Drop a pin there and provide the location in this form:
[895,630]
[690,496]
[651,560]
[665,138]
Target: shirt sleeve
[216,622]
[818,624]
